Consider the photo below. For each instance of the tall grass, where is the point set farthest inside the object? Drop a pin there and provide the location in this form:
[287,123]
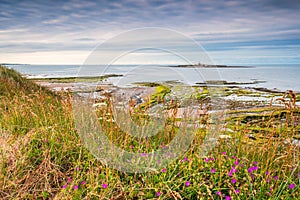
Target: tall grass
[42,156]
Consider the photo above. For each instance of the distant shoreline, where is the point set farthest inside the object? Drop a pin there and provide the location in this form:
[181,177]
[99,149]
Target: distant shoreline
[210,66]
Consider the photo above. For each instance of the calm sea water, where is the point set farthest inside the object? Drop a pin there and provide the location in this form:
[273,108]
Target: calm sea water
[280,77]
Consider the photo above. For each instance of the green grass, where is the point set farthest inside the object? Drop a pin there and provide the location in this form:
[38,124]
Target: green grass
[42,156]
[75,79]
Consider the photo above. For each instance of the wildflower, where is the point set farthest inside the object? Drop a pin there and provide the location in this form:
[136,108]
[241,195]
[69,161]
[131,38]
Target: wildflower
[212,159]
[213,170]
[82,183]
[276,178]
[158,194]
[65,186]
[232,170]
[164,170]
[224,152]
[269,193]
[267,173]
[185,159]
[77,168]
[206,159]
[227,197]
[178,174]
[268,180]
[292,186]
[253,168]
[69,179]
[255,163]
[233,181]
[218,193]
[237,191]
[104,185]
[236,162]
[188,183]
[75,187]
[143,154]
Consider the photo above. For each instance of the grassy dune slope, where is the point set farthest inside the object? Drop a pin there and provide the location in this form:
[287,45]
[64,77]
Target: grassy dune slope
[41,156]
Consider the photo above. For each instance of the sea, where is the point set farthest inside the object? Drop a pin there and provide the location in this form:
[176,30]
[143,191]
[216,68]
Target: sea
[272,77]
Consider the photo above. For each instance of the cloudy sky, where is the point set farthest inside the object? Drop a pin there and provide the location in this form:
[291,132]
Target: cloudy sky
[252,32]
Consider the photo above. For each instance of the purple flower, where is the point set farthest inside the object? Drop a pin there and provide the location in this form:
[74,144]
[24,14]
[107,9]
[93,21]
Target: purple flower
[292,186]
[227,197]
[267,173]
[143,154]
[255,163]
[77,168]
[212,159]
[69,179]
[213,170]
[178,174]
[65,186]
[236,162]
[158,194]
[233,181]
[237,191]
[253,168]
[218,193]
[164,170]
[232,170]
[83,183]
[188,183]
[75,187]
[224,152]
[185,159]
[206,159]
[269,193]
[276,178]
[268,180]
[104,185]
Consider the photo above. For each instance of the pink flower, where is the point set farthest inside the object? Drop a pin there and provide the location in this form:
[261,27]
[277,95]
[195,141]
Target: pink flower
[206,159]
[188,183]
[82,183]
[75,187]
[69,179]
[276,178]
[236,162]
[233,181]
[77,168]
[65,186]
[158,194]
[164,170]
[104,185]
[292,186]
[218,193]
[213,170]
[224,152]
[237,191]
[227,197]
[143,154]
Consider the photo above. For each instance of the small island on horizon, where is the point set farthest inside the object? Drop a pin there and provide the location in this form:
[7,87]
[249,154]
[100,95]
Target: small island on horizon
[201,65]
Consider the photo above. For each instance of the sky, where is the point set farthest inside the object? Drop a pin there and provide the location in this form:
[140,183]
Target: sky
[231,32]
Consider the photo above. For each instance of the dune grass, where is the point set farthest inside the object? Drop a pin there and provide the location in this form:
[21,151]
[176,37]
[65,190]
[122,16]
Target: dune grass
[42,156]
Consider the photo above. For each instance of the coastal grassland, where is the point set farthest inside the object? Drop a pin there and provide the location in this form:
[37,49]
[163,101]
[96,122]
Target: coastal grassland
[42,156]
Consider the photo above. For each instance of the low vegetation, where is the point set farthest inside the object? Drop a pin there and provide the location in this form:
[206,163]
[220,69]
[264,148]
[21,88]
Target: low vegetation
[43,157]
